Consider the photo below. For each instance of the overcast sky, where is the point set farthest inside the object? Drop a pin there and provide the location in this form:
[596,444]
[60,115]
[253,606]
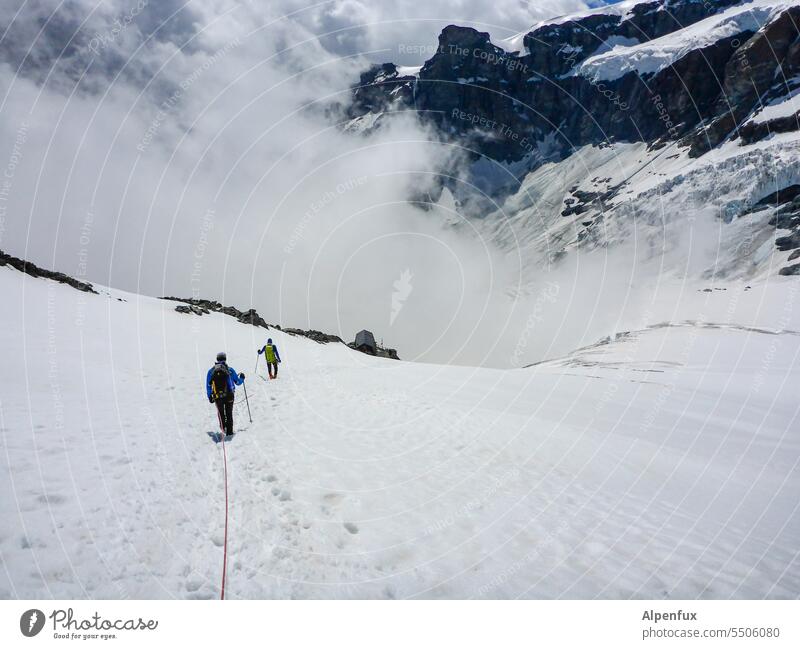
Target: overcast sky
[172,148]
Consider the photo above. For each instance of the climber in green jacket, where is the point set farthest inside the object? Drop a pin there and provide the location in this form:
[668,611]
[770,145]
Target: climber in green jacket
[270,352]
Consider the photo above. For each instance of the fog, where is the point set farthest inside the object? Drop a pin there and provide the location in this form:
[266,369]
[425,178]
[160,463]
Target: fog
[187,150]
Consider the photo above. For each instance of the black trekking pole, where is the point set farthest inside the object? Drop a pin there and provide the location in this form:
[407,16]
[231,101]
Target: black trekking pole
[255,371]
[244,385]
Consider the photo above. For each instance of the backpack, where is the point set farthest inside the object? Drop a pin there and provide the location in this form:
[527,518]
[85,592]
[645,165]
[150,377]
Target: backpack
[220,378]
[269,353]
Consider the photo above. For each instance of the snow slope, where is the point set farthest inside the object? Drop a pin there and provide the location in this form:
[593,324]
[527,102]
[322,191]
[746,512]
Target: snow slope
[655,55]
[661,464]
[670,216]
[781,107]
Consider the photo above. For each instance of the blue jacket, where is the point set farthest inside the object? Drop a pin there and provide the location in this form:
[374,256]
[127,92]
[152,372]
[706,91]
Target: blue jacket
[233,380]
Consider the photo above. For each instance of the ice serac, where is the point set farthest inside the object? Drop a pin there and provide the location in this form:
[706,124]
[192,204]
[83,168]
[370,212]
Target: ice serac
[633,115]
[651,72]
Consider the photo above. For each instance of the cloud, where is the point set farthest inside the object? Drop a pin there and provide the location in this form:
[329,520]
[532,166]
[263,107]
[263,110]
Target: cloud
[185,149]
[384,30]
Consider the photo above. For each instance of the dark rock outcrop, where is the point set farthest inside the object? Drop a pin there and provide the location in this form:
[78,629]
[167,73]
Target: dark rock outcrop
[505,105]
[785,204]
[200,307]
[379,87]
[35,271]
[748,74]
[188,309]
[381,352]
[789,242]
[313,334]
[557,47]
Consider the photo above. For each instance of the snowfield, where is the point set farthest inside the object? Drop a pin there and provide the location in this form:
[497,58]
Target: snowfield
[657,54]
[660,464]
[671,216]
[778,108]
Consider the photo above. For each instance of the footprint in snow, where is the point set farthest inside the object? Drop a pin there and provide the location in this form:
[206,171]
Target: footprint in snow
[201,595]
[351,527]
[282,493]
[194,584]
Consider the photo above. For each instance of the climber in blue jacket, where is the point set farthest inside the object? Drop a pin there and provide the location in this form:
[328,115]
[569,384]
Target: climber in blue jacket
[221,382]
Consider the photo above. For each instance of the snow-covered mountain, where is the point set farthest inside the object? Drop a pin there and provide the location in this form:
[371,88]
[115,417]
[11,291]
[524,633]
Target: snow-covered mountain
[659,118]
[660,464]
[599,218]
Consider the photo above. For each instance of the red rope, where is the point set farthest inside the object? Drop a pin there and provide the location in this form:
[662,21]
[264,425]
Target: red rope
[225,472]
[225,544]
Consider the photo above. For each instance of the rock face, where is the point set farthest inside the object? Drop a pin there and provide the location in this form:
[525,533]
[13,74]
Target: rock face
[200,307]
[785,204]
[534,105]
[381,352]
[313,334]
[765,65]
[366,344]
[646,73]
[34,271]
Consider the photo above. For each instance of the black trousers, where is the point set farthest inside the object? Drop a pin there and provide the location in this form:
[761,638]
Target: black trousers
[225,410]
[272,369]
